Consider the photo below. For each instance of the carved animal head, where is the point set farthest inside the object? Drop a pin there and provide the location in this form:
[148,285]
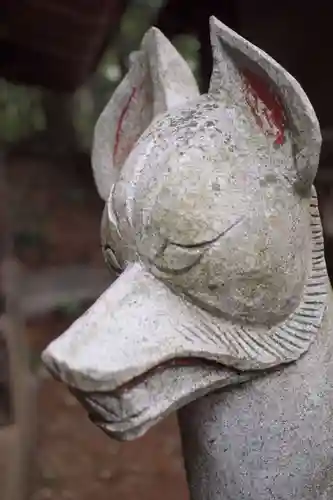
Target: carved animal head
[211,222]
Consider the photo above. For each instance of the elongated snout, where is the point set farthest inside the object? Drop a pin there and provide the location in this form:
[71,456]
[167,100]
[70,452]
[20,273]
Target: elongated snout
[137,324]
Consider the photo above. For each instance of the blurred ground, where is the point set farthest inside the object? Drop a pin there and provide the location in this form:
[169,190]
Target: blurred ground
[76,461]
[56,214]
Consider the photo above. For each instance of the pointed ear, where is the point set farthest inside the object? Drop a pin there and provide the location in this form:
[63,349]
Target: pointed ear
[243,75]
[158,80]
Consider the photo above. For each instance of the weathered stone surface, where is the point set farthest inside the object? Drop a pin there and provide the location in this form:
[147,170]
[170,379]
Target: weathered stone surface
[268,439]
[211,222]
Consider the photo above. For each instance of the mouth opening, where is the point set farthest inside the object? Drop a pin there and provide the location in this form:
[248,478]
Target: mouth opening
[156,370]
[130,410]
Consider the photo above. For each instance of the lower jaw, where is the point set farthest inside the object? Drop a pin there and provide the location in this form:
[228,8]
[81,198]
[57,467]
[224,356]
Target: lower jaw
[175,388]
[134,431]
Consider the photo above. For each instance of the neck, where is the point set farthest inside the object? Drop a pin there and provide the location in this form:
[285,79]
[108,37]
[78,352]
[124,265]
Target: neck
[271,437]
[232,439]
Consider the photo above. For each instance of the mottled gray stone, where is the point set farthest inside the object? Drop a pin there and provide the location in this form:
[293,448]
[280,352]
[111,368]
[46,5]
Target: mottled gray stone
[221,309]
[267,439]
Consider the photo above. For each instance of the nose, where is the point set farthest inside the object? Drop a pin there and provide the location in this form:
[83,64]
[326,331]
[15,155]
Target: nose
[59,369]
[96,352]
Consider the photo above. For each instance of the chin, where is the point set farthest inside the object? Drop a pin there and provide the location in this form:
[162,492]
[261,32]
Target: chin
[129,411]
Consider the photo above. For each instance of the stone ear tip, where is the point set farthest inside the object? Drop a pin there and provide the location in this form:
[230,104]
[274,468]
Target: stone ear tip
[155,30]
[153,34]
[213,20]
[218,26]
[151,31]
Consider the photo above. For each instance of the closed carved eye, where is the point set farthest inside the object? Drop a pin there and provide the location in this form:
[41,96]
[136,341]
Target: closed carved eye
[111,260]
[174,258]
[177,260]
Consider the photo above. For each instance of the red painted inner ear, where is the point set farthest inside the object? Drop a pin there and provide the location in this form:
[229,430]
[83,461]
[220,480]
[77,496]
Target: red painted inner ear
[130,124]
[121,121]
[266,106]
[120,153]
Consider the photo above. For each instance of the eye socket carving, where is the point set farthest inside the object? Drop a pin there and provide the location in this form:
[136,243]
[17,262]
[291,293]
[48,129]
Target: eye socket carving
[175,258]
[111,260]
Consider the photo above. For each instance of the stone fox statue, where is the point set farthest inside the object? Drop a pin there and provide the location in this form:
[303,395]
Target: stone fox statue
[222,309]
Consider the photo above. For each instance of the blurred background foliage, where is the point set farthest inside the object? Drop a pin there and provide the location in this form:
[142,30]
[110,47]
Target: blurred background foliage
[21,110]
